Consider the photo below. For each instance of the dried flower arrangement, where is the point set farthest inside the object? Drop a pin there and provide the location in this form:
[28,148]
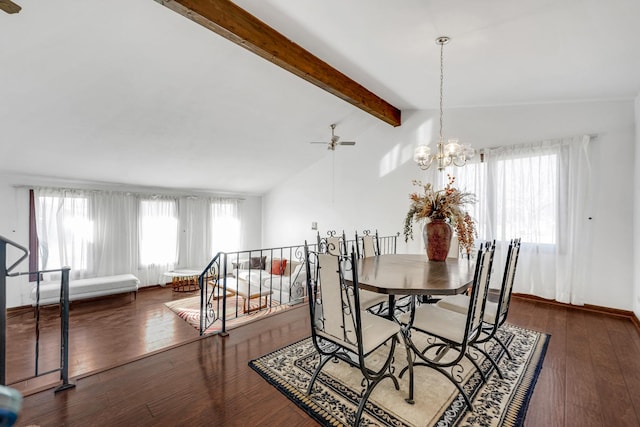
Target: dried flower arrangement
[446,204]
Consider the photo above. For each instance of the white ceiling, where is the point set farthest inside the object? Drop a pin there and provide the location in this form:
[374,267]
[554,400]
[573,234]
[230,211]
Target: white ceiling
[128,91]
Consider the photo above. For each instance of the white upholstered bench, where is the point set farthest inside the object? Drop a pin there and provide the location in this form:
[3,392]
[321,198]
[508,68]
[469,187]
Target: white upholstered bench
[86,288]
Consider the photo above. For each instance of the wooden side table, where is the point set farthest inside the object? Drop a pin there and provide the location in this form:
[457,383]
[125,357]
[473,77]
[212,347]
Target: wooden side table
[183,280]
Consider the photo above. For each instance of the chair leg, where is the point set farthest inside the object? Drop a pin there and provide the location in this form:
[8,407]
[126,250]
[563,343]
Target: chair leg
[317,371]
[493,362]
[477,366]
[446,374]
[410,368]
[503,345]
[441,352]
[440,369]
[367,393]
[373,378]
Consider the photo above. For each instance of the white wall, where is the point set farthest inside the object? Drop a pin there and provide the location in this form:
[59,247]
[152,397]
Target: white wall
[14,220]
[14,225]
[373,180]
[636,216]
[251,208]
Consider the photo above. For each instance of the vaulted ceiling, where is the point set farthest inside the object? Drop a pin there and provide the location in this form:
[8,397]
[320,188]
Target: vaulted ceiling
[129,91]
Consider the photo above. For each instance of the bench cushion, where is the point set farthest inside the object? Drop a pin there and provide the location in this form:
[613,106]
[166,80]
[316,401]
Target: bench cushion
[86,288]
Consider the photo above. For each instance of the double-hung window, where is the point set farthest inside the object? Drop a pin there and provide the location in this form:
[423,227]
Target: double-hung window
[518,193]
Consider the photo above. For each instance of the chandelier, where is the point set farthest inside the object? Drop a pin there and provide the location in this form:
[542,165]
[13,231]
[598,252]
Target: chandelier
[451,152]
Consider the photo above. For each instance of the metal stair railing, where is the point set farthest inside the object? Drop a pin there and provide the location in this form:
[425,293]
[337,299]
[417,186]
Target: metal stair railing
[213,303]
[64,315]
[212,281]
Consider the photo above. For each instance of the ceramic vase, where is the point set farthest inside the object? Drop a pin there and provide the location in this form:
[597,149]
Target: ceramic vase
[438,239]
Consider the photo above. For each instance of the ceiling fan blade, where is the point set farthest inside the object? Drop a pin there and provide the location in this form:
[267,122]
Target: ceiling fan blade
[347,143]
[9,6]
[318,142]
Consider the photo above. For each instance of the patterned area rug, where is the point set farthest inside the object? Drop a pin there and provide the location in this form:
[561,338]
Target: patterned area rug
[334,399]
[188,309]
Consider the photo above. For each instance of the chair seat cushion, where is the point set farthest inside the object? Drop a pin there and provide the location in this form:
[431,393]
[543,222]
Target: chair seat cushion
[438,321]
[460,304]
[370,299]
[376,330]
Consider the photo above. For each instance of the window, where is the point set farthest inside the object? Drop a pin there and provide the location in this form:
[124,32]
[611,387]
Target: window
[65,232]
[158,232]
[517,196]
[526,199]
[100,233]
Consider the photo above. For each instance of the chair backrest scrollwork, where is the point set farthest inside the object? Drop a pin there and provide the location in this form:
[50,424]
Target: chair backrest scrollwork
[333,243]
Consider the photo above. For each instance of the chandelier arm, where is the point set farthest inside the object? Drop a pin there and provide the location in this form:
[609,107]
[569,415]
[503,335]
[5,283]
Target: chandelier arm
[426,163]
[463,161]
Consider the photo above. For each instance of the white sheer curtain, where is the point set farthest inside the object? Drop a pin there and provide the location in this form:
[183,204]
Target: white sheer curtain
[158,236]
[115,221]
[100,233]
[65,231]
[225,225]
[538,192]
[195,232]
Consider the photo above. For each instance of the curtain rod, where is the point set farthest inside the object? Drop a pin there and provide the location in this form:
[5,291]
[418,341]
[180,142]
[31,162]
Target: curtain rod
[135,192]
[590,135]
[481,151]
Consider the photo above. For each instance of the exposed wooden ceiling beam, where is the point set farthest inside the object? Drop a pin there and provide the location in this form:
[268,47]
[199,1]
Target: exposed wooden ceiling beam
[230,21]
[9,6]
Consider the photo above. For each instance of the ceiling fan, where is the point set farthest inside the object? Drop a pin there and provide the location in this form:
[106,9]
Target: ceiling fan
[335,140]
[9,6]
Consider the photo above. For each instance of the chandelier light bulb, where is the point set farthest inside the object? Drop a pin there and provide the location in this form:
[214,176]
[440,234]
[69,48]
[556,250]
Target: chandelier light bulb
[452,148]
[421,153]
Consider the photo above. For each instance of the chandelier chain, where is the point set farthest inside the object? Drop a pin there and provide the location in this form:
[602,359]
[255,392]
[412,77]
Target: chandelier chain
[441,84]
[451,152]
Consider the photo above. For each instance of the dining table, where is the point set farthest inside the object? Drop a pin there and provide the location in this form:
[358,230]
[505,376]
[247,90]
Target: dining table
[412,274]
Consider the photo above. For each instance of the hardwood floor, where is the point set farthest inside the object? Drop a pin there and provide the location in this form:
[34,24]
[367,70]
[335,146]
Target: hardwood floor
[590,377]
[103,333]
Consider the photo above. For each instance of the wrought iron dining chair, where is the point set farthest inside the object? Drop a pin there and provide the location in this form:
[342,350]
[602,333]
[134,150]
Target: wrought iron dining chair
[448,330]
[367,246]
[342,331]
[495,313]
[333,244]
